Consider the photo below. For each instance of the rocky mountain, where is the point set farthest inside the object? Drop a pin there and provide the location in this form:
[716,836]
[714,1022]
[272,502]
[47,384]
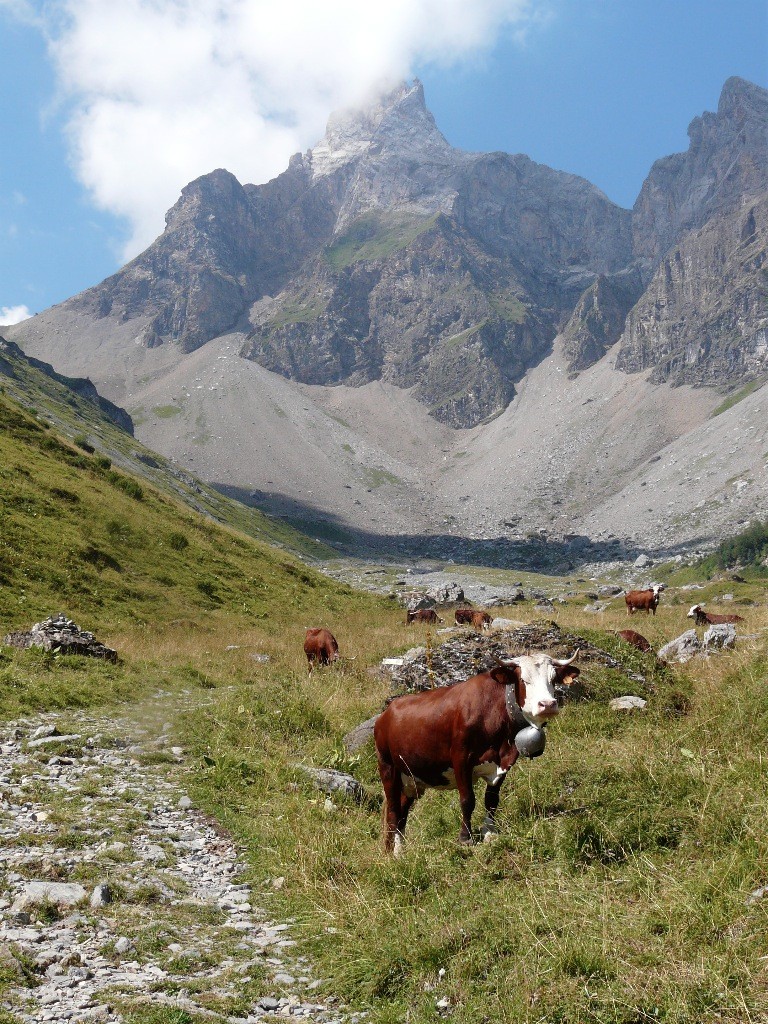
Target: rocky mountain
[339,344]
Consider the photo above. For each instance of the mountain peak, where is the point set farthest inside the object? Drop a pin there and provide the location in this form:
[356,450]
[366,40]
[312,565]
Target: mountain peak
[395,118]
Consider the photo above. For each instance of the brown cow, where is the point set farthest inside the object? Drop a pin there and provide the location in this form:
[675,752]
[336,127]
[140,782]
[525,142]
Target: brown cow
[711,618]
[449,737]
[320,646]
[636,639]
[422,615]
[643,600]
[475,617]
[463,616]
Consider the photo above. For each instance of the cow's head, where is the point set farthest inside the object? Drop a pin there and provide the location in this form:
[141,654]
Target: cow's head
[693,613]
[536,676]
[657,588]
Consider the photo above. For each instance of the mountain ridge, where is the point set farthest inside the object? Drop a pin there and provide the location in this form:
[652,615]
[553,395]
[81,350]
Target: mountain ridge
[362,265]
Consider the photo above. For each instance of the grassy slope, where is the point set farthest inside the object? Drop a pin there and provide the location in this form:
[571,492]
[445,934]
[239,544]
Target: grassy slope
[51,402]
[132,565]
[618,889]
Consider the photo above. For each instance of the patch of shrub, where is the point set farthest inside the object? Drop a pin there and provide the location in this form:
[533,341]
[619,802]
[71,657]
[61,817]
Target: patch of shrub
[125,483]
[178,541]
[82,442]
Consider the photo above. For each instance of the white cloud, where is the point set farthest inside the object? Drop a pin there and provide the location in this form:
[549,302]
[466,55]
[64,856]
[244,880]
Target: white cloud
[159,92]
[13,315]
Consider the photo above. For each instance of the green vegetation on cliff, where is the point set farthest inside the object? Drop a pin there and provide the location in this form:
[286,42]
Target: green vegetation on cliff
[374,236]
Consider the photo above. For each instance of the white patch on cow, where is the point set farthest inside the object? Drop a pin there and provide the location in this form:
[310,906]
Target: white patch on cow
[692,613]
[539,675]
[399,847]
[489,772]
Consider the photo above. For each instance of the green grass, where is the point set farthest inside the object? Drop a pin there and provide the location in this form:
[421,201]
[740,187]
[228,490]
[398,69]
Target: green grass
[374,236]
[374,477]
[617,891]
[166,412]
[737,396]
[298,310]
[508,306]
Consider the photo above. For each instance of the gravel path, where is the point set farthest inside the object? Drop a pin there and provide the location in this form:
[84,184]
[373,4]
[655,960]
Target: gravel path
[118,895]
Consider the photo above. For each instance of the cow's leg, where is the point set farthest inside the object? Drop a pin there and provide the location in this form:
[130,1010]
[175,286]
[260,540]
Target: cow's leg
[466,800]
[393,799]
[406,802]
[492,795]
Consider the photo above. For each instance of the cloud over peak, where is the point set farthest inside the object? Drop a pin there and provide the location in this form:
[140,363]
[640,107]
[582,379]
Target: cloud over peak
[158,92]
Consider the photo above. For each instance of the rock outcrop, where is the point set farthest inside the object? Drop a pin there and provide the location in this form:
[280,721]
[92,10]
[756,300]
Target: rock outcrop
[61,635]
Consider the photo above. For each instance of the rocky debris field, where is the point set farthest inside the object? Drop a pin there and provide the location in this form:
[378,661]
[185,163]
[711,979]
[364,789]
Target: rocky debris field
[423,668]
[119,895]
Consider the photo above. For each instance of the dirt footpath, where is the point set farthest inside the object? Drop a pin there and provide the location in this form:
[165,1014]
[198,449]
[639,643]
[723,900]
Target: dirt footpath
[119,899]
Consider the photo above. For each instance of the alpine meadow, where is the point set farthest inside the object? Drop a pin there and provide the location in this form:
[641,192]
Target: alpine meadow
[456,409]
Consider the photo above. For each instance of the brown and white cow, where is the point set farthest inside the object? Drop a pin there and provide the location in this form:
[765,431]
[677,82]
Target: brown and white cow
[450,737]
[636,639]
[463,616]
[320,646]
[711,618]
[428,615]
[643,600]
[474,617]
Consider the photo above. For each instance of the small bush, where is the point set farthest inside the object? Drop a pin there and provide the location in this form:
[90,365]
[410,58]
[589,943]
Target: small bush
[178,541]
[82,442]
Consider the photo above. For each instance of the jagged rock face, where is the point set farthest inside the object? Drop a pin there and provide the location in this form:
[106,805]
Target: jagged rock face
[727,159]
[704,319]
[383,253]
[386,254]
[599,318]
[435,313]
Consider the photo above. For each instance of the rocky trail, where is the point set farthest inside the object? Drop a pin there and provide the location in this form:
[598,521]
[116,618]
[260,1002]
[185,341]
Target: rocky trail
[120,900]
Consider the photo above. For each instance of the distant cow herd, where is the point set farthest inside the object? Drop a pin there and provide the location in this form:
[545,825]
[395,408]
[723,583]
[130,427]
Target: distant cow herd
[452,736]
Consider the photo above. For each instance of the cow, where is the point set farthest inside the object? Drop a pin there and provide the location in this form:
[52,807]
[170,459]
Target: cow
[711,618]
[422,615]
[636,639]
[643,600]
[475,617]
[450,737]
[463,616]
[320,646]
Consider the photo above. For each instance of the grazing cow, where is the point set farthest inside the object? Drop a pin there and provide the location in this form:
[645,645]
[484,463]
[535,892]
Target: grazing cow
[449,737]
[422,615]
[711,618]
[475,617]
[463,616]
[320,646]
[636,639]
[643,600]
[481,620]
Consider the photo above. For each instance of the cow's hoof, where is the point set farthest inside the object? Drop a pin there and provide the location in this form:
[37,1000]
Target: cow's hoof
[490,836]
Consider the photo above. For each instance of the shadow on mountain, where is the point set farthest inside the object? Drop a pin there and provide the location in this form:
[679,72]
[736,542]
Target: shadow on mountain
[534,553]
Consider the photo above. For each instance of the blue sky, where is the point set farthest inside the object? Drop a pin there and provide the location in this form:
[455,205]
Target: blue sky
[107,118]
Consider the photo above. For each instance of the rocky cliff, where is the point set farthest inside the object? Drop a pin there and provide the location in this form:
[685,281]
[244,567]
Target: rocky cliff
[312,344]
[386,254]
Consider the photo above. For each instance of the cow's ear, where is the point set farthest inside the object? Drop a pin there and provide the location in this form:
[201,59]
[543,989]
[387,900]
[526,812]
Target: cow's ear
[502,672]
[568,675]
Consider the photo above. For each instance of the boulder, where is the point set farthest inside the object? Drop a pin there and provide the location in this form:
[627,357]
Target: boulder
[62,635]
[360,735]
[682,648]
[720,637]
[627,703]
[450,593]
[61,894]
[331,781]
